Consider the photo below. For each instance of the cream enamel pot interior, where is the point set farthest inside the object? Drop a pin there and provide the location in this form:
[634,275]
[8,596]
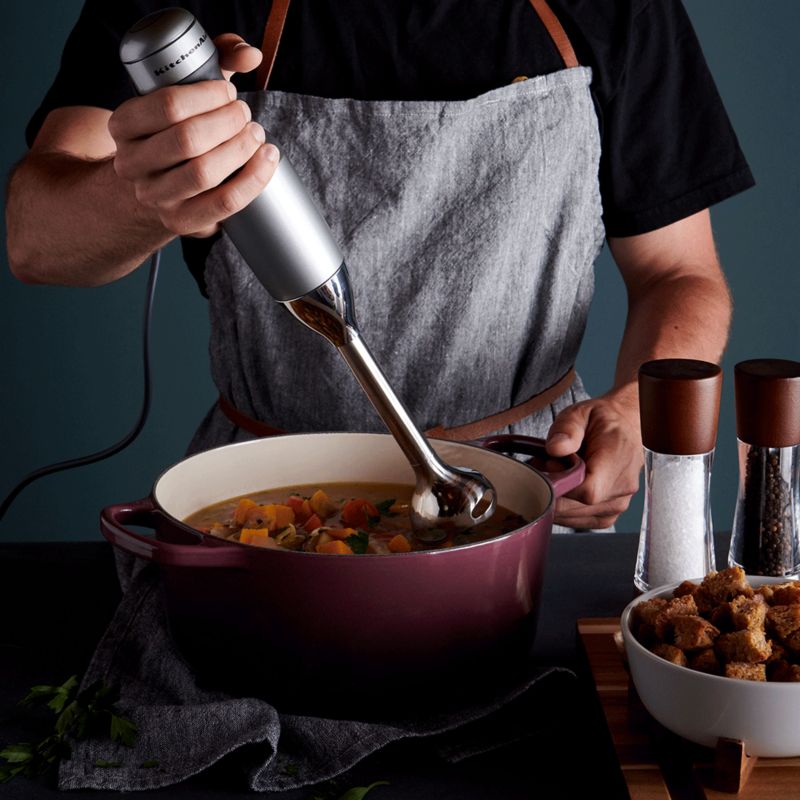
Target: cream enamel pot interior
[307,626]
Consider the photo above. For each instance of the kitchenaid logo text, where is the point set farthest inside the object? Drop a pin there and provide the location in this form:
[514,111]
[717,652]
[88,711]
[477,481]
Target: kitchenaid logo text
[167,67]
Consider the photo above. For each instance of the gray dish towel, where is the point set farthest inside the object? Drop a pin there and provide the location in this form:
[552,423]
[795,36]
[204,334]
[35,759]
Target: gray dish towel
[186,729]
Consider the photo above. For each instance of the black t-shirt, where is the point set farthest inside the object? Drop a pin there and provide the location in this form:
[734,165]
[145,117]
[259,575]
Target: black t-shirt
[668,148]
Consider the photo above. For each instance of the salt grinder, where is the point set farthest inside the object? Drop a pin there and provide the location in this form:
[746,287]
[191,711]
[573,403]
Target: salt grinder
[679,407]
[765,522]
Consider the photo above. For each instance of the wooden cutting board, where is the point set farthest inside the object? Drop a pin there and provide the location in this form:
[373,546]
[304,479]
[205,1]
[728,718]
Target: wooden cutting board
[658,765]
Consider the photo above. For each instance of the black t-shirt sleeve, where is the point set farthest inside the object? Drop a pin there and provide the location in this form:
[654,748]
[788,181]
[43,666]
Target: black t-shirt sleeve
[668,147]
[90,73]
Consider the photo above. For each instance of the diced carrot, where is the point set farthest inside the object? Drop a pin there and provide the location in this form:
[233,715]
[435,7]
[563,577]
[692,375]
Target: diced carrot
[312,523]
[273,517]
[284,516]
[335,547]
[399,544]
[341,533]
[242,510]
[247,535]
[302,508]
[359,513]
[322,505]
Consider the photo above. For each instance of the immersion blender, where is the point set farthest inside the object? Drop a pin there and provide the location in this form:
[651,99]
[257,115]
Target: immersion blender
[288,245]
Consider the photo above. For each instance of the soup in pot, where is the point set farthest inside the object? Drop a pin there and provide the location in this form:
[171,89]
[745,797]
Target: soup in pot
[342,519]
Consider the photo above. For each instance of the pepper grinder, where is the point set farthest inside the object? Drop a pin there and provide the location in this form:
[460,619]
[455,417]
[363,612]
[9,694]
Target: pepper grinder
[765,522]
[679,408]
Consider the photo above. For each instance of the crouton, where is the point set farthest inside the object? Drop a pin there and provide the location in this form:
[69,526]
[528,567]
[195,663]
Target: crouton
[687,587]
[720,587]
[747,672]
[783,620]
[748,646]
[748,613]
[705,661]
[678,607]
[671,654]
[693,633]
[647,611]
[784,672]
[786,594]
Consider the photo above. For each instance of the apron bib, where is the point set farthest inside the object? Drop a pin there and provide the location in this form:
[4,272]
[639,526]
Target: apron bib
[469,228]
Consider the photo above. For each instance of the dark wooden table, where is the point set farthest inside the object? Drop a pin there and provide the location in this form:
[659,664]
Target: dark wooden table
[56,600]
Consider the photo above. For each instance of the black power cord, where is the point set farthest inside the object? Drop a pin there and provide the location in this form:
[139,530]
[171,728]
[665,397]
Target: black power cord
[155,261]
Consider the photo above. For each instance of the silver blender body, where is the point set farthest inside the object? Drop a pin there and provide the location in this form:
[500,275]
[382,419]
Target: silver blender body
[288,245]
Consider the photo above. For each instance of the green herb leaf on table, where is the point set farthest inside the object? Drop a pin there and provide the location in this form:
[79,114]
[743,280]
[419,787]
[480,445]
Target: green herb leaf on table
[101,762]
[57,696]
[123,731]
[360,792]
[90,713]
[151,764]
[358,542]
[17,753]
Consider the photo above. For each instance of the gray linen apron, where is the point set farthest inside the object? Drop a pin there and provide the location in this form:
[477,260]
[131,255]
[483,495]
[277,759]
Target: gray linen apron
[469,228]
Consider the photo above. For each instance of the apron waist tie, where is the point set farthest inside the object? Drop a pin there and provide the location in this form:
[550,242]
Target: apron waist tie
[467,432]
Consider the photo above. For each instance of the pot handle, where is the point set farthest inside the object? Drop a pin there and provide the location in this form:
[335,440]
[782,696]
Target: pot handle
[564,480]
[145,513]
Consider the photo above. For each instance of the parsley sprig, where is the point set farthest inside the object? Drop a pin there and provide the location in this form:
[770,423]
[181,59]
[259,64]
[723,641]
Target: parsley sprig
[79,715]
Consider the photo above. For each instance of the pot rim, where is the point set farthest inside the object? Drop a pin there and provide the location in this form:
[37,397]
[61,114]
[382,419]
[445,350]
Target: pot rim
[549,508]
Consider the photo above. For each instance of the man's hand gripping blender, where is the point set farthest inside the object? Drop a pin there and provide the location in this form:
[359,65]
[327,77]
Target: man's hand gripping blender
[289,246]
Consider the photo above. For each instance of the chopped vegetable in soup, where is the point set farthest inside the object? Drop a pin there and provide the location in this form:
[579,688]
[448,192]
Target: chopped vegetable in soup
[342,519]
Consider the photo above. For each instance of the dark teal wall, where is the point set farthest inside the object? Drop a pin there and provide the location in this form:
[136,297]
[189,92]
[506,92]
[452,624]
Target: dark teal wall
[71,357]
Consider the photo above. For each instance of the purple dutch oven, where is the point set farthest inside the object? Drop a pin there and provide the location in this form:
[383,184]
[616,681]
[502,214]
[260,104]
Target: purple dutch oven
[309,630]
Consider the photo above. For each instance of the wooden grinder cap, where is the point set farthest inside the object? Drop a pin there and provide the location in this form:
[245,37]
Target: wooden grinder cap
[768,402]
[679,405]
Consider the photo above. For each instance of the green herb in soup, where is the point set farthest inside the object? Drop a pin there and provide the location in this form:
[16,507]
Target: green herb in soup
[339,519]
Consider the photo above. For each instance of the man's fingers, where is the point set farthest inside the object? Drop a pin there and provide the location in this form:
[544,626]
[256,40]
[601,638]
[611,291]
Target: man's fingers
[204,211]
[144,116]
[235,55]
[187,140]
[572,514]
[200,174]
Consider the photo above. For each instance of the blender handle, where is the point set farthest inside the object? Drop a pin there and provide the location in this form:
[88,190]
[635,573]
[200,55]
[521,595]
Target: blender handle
[145,513]
[281,234]
[563,481]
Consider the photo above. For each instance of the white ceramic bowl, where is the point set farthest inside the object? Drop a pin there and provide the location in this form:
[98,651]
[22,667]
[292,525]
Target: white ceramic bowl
[703,708]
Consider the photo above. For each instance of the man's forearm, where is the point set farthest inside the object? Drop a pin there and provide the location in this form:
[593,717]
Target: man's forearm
[74,222]
[673,316]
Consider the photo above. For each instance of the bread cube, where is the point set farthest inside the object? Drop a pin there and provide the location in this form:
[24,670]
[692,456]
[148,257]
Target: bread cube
[748,613]
[705,661]
[720,587]
[786,594]
[677,607]
[743,646]
[670,653]
[747,672]
[687,587]
[783,620]
[784,672]
[693,633]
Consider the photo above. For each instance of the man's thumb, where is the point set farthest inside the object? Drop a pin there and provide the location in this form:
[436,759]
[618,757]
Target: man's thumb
[568,430]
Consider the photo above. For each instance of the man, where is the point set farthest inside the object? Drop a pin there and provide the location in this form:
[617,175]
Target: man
[469,204]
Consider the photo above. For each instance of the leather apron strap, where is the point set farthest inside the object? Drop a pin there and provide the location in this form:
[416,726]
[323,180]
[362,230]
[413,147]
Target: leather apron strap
[470,430]
[280,8]
[557,33]
[272,38]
